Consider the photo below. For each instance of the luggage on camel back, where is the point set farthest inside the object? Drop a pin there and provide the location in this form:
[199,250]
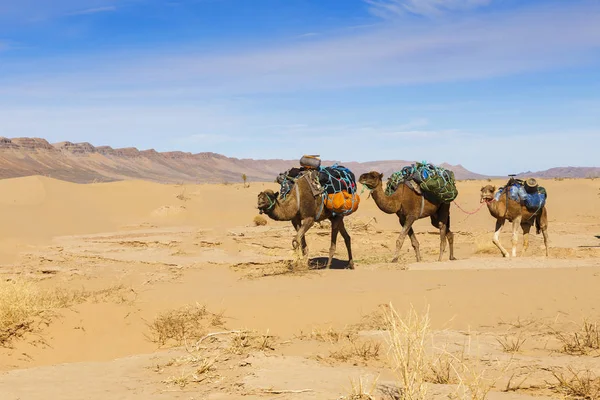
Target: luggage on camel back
[339,184]
[437,183]
[335,184]
[527,193]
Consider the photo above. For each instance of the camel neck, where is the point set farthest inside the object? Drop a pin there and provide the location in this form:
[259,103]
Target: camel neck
[387,204]
[285,210]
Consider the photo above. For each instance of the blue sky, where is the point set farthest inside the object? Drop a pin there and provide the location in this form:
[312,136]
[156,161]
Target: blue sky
[499,86]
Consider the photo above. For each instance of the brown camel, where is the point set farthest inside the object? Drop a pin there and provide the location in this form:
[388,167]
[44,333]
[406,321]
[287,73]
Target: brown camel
[505,209]
[410,206]
[304,209]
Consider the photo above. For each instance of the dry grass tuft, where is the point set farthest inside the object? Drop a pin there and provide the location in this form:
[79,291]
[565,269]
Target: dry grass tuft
[297,266]
[245,342]
[183,324]
[578,385]
[359,390]
[201,369]
[407,351]
[484,245]
[475,380]
[512,344]
[358,350]
[415,367]
[259,220]
[442,369]
[24,306]
[181,196]
[329,335]
[583,342]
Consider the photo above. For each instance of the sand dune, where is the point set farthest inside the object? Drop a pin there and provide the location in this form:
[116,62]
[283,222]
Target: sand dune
[141,248]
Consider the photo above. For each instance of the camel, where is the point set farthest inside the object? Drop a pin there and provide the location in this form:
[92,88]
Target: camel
[505,209]
[303,210]
[410,206]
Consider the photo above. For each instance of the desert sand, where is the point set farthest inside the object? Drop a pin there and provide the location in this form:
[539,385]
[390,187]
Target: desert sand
[164,266]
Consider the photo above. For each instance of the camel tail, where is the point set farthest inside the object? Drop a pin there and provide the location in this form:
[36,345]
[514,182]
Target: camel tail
[537,223]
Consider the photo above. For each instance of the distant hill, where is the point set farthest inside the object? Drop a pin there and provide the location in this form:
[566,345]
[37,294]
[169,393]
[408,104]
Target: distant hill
[565,172]
[85,163]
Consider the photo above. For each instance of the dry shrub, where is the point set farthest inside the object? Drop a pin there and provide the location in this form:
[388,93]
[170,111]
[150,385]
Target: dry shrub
[245,342]
[475,380]
[358,350]
[575,384]
[484,245]
[415,368]
[583,342]
[181,196]
[374,321]
[201,368]
[186,323]
[329,335]
[24,306]
[297,266]
[442,369]
[407,351]
[360,391]
[512,344]
[259,220]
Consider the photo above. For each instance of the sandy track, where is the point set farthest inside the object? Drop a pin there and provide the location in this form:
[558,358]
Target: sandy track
[168,252]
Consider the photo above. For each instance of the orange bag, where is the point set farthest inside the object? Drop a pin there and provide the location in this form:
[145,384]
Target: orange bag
[342,202]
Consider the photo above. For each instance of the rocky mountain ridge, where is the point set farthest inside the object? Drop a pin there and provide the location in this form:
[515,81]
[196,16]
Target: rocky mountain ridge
[86,163]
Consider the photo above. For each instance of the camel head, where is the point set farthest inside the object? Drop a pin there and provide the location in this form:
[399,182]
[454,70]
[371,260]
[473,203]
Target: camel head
[487,193]
[371,179]
[267,200]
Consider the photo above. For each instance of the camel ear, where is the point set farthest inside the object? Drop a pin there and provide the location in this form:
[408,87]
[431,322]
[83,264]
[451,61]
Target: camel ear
[276,195]
[380,176]
[493,188]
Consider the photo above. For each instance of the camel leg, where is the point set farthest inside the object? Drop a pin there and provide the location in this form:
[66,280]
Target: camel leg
[413,238]
[400,241]
[297,223]
[348,243]
[526,228]
[515,235]
[543,226]
[443,232]
[450,238]
[496,239]
[305,225]
[443,222]
[335,228]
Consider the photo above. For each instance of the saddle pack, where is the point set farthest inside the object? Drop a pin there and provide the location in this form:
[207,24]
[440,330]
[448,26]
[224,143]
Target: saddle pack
[533,197]
[436,182]
[335,184]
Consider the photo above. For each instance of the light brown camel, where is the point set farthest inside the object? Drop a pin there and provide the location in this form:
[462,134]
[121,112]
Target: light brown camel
[505,209]
[410,206]
[304,209]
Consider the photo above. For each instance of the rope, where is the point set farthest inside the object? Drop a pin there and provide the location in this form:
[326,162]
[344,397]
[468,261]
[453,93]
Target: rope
[469,212]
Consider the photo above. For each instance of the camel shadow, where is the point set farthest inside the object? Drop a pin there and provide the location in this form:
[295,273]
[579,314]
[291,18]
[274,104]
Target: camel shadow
[321,263]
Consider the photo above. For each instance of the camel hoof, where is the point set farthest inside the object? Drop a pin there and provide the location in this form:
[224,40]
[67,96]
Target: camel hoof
[395,260]
[453,259]
[351,265]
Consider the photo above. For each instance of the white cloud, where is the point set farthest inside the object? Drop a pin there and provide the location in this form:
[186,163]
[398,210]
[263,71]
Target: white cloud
[12,11]
[394,8]
[489,46]
[94,10]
